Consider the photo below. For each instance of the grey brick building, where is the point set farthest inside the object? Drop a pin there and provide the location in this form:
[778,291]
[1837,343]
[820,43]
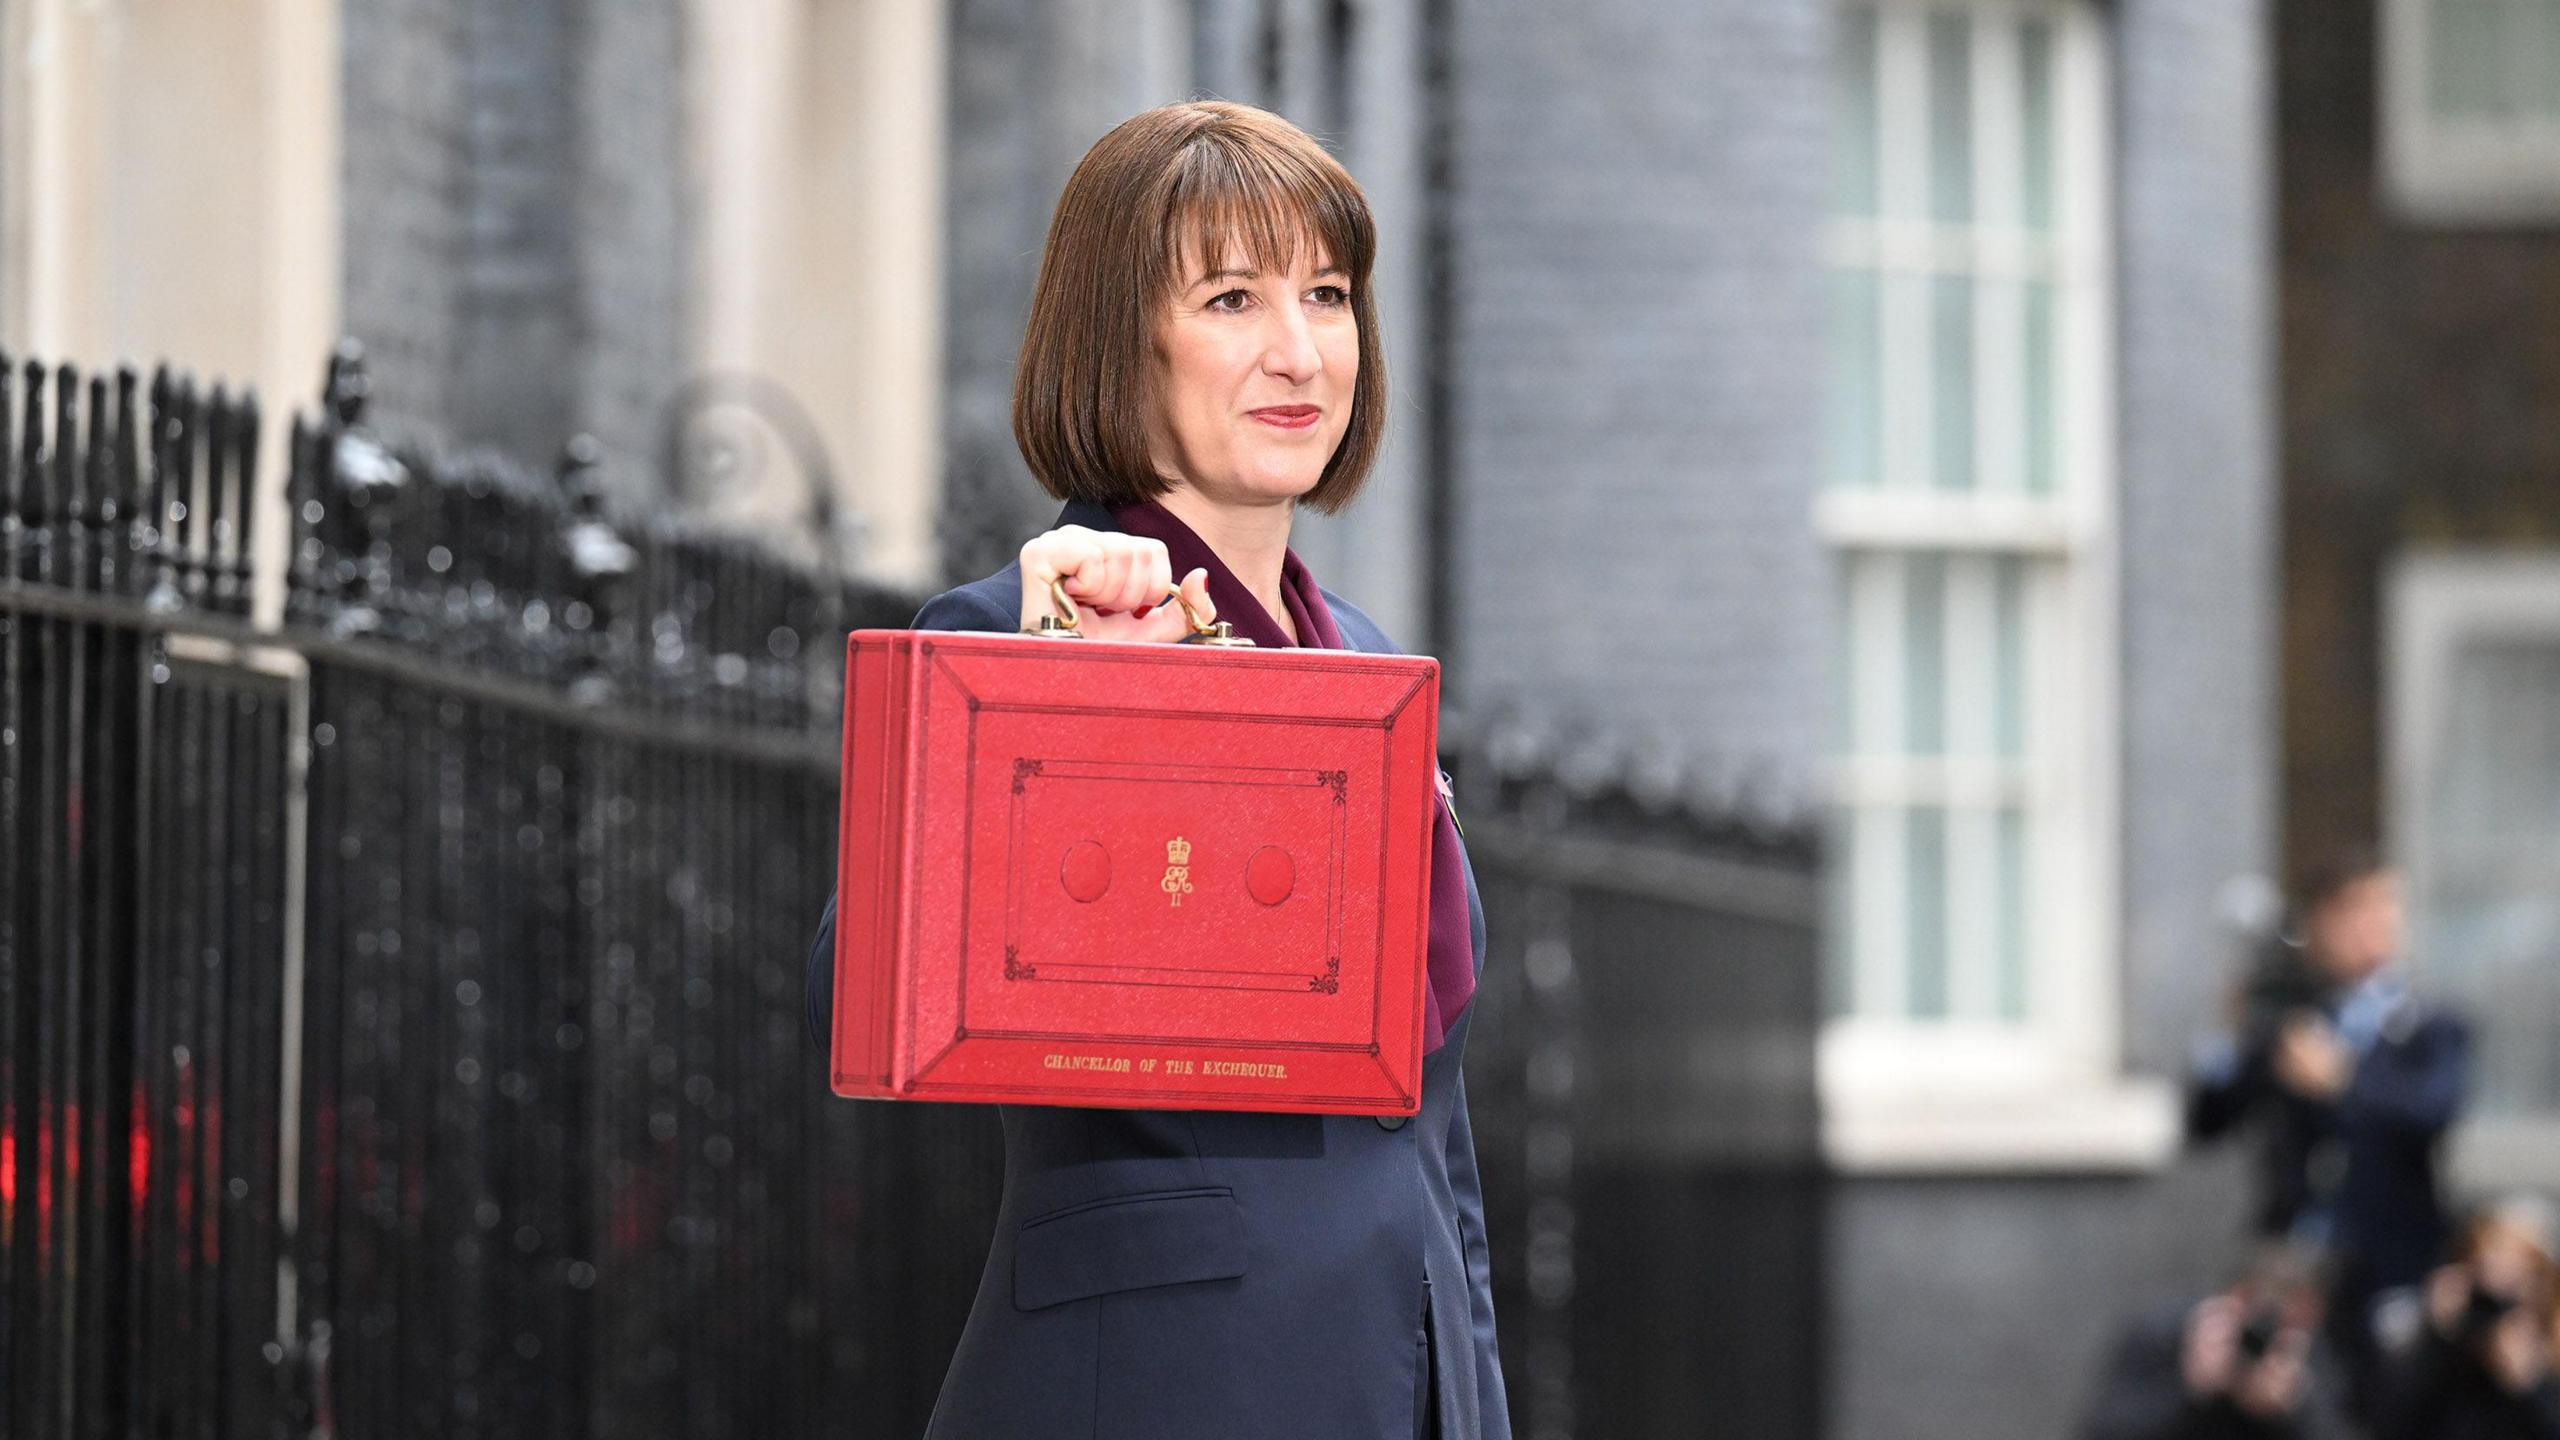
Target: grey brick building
[1865,408]
[514,188]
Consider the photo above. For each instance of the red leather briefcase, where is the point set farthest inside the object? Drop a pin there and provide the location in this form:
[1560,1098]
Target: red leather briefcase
[1138,875]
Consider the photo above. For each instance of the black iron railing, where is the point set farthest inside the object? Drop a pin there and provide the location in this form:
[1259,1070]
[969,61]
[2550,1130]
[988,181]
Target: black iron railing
[400,988]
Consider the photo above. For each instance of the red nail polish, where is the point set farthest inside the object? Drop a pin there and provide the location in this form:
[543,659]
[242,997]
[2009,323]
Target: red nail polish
[1141,612]
[1104,610]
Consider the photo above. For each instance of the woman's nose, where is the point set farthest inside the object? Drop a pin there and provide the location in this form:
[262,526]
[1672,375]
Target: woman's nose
[1289,351]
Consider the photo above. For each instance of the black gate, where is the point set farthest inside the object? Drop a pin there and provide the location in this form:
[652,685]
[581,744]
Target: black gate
[400,996]
[1641,1076]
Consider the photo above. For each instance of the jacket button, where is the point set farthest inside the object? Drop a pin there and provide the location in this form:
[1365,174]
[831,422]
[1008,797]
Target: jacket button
[1392,1122]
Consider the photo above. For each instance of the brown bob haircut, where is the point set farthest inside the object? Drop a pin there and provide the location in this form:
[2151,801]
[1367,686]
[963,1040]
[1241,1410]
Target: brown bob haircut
[1168,189]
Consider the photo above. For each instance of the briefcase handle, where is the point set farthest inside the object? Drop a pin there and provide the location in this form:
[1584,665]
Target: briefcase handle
[1062,625]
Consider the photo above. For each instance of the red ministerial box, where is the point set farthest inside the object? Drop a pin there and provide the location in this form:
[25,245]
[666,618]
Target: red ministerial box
[1082,872]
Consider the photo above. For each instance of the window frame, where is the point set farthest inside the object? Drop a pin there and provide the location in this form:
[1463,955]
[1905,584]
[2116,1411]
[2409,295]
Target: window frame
[2435,601]
[2438,170]
[2047,1092]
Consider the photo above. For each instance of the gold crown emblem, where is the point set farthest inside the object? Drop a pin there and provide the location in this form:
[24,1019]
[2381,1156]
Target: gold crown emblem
[1177,851]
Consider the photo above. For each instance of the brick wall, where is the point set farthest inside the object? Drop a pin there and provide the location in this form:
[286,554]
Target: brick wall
[2421,404]
[515,257]
[1635,367]
[403,149]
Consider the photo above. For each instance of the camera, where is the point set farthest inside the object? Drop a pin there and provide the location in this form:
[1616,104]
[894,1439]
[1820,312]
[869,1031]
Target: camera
[2481,1313]
[2258,1332]
[2282,983]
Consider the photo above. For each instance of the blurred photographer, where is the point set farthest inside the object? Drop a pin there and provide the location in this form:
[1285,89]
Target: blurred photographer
[2247,1363]
[2351,1080]
[2469,1355]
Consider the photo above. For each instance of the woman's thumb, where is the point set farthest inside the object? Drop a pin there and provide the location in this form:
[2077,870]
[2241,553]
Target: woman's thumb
[1195,588]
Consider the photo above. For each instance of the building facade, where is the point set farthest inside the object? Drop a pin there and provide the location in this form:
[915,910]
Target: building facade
[1852,409]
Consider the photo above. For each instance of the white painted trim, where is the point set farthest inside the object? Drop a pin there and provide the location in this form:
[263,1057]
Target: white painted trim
[2504,1154]
[1908,360]
[1963,1098]
[1928,247]
[299,258]
[2433,601]
[1952,521]
[1972,695]
[2127,1128]
[1869,781]
[2439,169]
[2087,1002]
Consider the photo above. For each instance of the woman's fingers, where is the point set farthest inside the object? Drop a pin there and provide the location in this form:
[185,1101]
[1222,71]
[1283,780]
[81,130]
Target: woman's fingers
[1106,579]
[1053,555]
[1167,621]
[1195,588]
[1155,576]
[1112,578]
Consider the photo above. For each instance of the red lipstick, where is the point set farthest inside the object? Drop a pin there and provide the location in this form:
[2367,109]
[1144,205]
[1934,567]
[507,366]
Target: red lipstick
[1287,417]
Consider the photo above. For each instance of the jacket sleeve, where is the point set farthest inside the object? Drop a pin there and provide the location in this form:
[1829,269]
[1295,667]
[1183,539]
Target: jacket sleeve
[950,610]
[2224,1083]
[2414,1088]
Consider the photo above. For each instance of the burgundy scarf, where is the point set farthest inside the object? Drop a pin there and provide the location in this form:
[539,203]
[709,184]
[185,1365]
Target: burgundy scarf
[1452,943]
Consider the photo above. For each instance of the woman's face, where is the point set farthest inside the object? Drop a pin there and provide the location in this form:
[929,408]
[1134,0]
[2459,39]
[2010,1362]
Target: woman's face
[1254,376]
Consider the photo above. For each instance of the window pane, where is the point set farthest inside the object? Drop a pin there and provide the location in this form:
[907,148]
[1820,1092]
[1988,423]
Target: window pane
[1844,658]
[1840,915]
[1926,838]
[1950,119]
[2010,867]
[2533,59]
[2035,54]
[1853,115]
[1854,438]
[1924,655]
[2491,840]
[1951,365]
[2463,54]
[2009,659]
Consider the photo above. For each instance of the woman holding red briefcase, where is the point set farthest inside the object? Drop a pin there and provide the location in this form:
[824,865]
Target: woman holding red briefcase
[1202,357]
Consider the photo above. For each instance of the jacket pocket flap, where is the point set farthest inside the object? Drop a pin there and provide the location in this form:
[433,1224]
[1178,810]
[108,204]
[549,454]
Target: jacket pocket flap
[1127,1242]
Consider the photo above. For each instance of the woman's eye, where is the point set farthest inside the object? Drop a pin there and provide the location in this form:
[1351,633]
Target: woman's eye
[1222,302]
[1331,295]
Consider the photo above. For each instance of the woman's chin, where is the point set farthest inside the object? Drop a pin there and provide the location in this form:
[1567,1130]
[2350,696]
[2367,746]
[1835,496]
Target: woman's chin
[1292,482]
[1262,486]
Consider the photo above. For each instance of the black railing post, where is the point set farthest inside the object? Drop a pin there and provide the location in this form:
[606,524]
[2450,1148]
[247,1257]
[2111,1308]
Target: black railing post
[364,482]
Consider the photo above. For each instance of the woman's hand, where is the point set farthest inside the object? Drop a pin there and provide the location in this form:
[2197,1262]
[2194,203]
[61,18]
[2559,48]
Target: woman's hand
[1117,581]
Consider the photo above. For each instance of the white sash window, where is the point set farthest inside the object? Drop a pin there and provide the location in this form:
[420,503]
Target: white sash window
[2470,107]
[1969,503]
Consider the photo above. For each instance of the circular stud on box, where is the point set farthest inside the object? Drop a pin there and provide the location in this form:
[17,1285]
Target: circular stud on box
[1085,871]
[1270,875]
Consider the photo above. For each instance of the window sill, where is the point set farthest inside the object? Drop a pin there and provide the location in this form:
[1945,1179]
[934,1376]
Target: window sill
[1887,1113]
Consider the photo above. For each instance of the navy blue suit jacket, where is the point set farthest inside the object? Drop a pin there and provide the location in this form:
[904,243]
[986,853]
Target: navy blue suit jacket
[1168,1275]
[2405,1094]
